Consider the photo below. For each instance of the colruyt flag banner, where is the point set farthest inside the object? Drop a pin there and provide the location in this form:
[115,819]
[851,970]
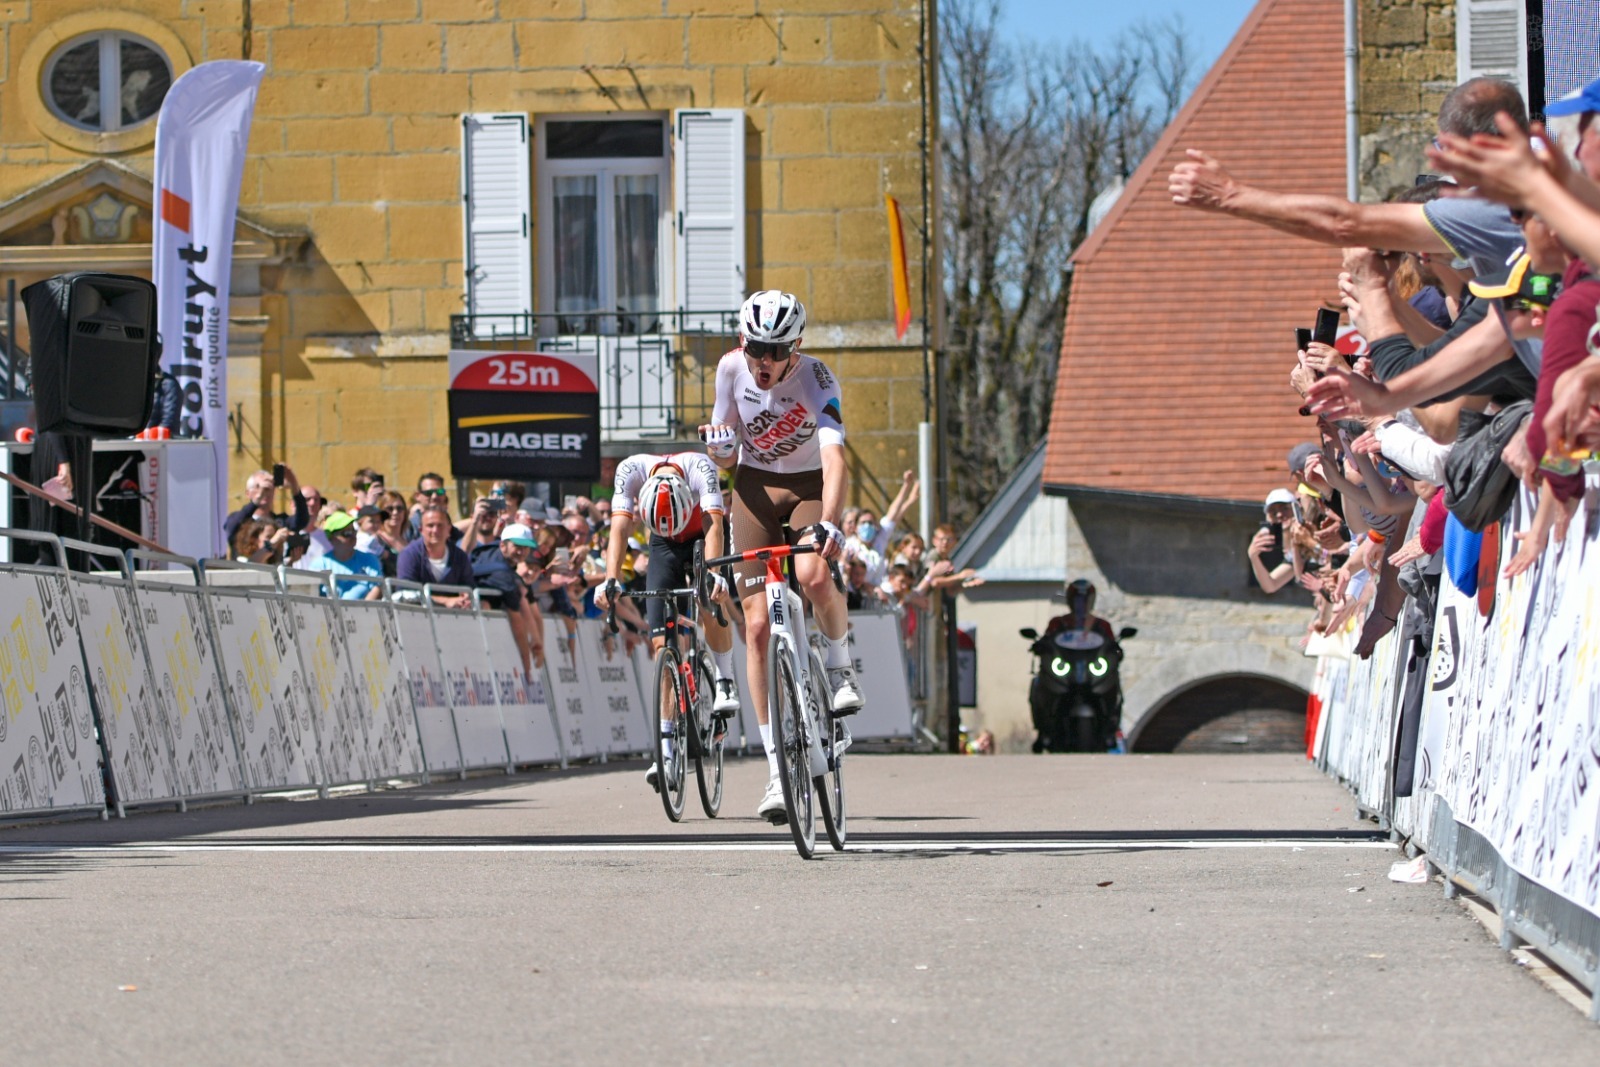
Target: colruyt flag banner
[200,144]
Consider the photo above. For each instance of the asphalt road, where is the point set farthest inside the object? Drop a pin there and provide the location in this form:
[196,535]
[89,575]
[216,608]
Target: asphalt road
[1141,910]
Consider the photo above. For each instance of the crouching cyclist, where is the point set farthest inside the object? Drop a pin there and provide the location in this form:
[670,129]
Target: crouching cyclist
[678,500]
[777,421]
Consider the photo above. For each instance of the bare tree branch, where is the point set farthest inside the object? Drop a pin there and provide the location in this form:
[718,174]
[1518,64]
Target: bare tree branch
[1031,135]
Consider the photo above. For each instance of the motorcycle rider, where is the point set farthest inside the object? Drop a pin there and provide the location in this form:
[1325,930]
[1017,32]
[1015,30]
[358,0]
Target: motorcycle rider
[1080,617]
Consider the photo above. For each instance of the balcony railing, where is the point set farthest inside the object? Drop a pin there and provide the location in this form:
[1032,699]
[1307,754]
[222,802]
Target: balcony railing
[657,369]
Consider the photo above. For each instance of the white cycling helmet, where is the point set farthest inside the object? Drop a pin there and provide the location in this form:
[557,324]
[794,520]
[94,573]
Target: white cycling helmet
[665,503]
[772,316]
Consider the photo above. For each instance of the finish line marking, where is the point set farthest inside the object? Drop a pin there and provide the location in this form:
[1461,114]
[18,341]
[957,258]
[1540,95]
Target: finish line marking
[1063,845]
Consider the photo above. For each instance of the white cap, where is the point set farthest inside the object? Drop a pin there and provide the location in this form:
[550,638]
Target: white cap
[518,534]
[1279,496]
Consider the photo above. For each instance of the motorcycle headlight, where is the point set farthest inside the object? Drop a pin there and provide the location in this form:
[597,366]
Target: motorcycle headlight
[1099,667]
[1060,667]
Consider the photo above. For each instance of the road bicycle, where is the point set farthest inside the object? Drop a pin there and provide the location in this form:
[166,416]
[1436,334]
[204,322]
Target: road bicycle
[811,743]
[682,696]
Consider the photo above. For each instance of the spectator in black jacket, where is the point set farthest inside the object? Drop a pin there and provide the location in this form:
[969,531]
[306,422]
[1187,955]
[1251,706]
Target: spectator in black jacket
[261,493]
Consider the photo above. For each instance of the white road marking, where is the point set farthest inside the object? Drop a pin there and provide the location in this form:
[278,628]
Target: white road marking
[1062,845]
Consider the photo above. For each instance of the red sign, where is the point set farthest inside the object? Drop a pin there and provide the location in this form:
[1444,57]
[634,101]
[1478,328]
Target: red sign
[522,372]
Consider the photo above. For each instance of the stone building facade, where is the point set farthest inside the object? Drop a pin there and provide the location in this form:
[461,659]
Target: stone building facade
[353,190]
[1407,65]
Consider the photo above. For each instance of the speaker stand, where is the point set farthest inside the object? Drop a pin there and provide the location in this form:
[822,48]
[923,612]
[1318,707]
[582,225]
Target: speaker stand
[82,447]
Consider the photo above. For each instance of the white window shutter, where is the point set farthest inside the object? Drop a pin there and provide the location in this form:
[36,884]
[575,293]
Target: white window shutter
[495,198]
[1492,41]
[708,193]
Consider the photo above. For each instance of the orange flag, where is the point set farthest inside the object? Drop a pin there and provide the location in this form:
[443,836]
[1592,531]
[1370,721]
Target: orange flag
[897,260]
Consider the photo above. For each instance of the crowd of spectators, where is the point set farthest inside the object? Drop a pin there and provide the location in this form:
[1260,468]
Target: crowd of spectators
[533,560]
[1473,368]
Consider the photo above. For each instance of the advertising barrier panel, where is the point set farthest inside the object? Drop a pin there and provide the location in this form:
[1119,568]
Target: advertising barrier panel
[579,723]
[614,687]
[381,686]
[340,720]
[524,704]
[430,698]
[48,756]
[136,735]
[470,687]
[880,662]
[188,686]
[277,738]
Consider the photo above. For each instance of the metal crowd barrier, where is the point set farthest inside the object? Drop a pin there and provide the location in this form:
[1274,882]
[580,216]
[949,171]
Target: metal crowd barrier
[1481,749]
[159,679]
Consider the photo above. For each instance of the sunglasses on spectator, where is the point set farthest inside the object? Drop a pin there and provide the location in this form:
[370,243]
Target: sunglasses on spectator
[776,351]
[1525,305]
[434,492]
[348,533]
[1520,215]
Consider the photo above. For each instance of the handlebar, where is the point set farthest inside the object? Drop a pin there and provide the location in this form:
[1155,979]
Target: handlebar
[818,534]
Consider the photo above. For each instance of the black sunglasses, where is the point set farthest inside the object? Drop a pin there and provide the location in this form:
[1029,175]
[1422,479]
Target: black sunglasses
[777,351]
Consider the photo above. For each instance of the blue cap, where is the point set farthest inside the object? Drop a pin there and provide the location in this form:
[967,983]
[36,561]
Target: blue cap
[1587,99]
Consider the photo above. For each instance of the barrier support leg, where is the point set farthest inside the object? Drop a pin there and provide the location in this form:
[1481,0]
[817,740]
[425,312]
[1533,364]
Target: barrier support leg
[1450,890]
[1594,999]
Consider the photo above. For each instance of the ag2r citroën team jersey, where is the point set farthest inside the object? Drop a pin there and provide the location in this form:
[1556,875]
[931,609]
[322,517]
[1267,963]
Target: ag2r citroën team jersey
[783,429]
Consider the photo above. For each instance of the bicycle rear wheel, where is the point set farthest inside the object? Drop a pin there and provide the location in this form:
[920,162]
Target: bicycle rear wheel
[708,757]
[787,714]
[829,786]
[672,732]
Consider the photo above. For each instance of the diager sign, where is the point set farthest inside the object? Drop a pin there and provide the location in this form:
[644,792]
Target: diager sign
[524,415]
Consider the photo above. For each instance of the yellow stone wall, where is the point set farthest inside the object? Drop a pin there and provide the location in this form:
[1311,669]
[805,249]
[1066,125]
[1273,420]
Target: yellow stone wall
[356,142]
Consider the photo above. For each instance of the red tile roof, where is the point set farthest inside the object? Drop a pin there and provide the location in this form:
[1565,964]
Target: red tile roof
[1179,335]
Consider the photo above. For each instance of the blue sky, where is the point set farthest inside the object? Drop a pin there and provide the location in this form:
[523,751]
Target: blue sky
[1212,23]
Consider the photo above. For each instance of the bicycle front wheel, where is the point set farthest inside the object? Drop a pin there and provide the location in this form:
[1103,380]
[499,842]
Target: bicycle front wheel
[672,732]
[713,731]
[829,786]
[787,714]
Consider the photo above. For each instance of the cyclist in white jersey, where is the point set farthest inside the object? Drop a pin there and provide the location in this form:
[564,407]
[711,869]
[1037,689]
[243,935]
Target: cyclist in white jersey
[678,499]
[777,422]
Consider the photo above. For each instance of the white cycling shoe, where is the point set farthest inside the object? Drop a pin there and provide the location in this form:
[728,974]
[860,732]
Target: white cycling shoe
[771,807]
[726,704]
[846,690]
[652,777]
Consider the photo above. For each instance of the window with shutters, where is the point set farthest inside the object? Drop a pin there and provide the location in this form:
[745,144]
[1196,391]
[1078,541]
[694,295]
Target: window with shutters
[498,271]
[1492,41]
[603,208]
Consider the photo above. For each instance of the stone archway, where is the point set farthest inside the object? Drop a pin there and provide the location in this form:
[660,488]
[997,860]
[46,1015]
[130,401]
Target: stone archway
[1226,713]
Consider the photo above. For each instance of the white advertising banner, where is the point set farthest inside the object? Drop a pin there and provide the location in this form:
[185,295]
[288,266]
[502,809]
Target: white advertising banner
[137,737]
[524,705]
[341,723]
[185,669]
[469,683]
[428,694]
[381,688]
[614,687]
[277,740]
[201,135]
[48,756]
[576,717]
[880,663]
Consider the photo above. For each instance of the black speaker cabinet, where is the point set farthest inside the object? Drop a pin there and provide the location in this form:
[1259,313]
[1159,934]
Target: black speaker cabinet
[94,352]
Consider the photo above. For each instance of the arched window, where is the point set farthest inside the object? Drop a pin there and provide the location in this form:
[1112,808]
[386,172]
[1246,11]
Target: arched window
[105,82]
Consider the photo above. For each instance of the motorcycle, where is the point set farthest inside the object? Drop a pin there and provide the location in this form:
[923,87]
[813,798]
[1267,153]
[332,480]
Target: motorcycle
[1076,695]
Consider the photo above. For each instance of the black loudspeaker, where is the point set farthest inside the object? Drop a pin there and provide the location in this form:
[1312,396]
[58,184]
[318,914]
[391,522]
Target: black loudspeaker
[94,351]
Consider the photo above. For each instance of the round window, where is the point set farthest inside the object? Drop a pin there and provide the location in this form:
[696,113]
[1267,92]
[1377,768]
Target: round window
[106,82]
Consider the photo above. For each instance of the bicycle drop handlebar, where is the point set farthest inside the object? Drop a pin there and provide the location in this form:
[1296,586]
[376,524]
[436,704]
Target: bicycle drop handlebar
[818,534]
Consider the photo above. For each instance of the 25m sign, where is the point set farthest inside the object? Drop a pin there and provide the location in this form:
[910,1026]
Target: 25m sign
[525,415]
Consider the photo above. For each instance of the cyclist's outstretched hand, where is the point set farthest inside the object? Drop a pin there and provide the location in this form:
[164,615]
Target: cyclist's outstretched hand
[831,545]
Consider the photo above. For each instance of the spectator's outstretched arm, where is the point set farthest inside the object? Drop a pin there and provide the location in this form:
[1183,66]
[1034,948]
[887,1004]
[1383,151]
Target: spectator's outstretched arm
[1475,351]
[1202,182]
[1385,501]
[904,497]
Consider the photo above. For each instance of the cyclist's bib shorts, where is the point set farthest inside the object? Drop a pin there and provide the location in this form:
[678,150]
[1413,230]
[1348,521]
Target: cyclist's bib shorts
[763,501]
[671,566]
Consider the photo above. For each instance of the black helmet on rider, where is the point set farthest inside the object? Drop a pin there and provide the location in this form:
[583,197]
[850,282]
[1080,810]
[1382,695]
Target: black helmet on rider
[1080,598]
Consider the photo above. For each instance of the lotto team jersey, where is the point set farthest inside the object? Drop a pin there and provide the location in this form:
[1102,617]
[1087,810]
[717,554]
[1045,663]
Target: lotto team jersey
[698,471]
[783,429]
